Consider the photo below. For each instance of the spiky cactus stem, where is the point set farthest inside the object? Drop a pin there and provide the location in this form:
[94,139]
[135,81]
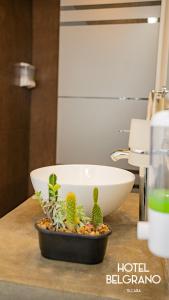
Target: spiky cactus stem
[71,212]
[97,216]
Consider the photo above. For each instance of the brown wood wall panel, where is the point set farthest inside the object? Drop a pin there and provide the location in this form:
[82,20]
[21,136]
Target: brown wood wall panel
[44,96]
[14,178]
[15,46]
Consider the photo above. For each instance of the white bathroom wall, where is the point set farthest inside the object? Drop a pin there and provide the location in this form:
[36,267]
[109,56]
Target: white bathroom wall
[89,129]
[163,47]
[168,76]
[98,66]
[109,60]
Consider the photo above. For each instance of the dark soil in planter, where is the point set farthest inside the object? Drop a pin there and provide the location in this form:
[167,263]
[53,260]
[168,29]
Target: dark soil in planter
[72,247]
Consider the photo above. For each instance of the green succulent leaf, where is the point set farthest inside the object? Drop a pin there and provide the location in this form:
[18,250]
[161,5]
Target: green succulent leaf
[52,179]
[56,187]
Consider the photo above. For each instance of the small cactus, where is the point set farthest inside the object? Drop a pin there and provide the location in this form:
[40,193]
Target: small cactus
[97,216]
[53,187]
[71,212]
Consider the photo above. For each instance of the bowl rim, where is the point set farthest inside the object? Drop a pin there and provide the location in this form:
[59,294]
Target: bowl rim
[131,180]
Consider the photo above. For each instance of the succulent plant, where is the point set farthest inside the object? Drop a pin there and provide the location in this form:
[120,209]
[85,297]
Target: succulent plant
[83,219]
[38,196]
[59,214]
[62,213]
[43,203]
[97,216]
[53,187]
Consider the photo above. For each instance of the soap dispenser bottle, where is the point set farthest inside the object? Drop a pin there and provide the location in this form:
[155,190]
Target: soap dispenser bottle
[156,230]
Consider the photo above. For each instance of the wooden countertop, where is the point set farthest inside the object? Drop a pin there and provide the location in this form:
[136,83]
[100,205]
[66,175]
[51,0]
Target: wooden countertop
[25,274]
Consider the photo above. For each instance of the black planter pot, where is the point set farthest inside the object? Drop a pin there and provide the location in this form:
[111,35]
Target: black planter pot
[72,247]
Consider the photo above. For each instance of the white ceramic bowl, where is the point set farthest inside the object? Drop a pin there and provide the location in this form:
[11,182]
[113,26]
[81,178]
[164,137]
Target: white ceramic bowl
[114,184]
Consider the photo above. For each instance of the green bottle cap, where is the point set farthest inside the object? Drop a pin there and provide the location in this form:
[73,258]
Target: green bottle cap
[158,200]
